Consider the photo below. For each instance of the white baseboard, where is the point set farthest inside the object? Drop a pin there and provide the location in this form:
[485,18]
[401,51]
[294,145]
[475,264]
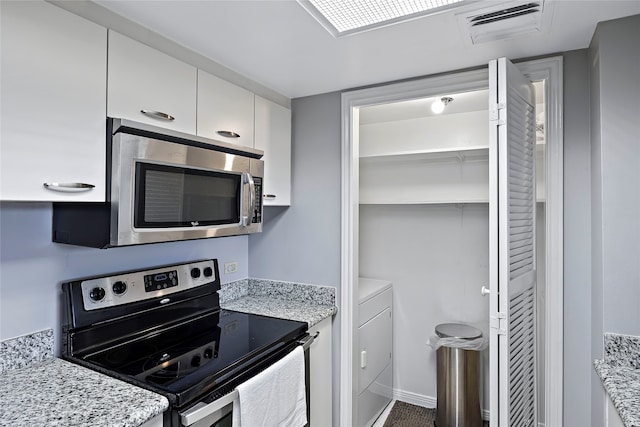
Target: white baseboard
[414,398]
[427,401]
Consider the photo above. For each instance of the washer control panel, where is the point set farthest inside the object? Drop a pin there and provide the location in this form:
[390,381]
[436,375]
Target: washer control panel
[140,285]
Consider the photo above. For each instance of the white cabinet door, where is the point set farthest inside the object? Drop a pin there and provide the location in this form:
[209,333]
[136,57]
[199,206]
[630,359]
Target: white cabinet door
[321,375]
[225,111]
[273,136]
[53,103]
[148,86]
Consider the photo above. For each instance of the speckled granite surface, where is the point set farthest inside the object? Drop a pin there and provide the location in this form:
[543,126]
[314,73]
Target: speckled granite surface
[25,350]
[58,393]
[37,389]
[622,350]
[295,301]
[620,374]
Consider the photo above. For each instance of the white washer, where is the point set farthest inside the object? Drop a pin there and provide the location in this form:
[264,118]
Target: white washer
[375,319]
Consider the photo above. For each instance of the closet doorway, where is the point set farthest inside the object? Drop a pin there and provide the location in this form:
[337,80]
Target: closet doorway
[415,212]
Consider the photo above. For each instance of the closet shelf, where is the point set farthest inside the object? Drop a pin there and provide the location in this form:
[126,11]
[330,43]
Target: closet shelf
[423,202]
[439,154]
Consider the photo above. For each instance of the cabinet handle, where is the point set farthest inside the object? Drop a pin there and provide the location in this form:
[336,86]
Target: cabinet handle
[228,134]
[158,115]
[269,196]
[68,187]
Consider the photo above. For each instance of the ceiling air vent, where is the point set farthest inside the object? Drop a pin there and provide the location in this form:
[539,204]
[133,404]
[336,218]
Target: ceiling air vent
[502,20]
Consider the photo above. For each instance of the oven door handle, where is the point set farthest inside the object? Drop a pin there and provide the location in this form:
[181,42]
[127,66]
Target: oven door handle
[307,340]
[202,410]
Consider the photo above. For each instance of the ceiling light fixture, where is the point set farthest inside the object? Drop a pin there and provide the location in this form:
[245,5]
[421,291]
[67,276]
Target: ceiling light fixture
[438,105]
[341,17]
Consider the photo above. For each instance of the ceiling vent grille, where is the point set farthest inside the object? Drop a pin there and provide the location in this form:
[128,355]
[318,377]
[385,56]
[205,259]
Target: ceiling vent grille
[505,20]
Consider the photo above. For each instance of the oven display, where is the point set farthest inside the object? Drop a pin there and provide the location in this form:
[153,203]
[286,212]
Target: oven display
[159,281]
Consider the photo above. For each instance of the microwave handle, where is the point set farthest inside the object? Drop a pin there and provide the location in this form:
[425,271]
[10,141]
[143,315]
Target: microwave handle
[248,179]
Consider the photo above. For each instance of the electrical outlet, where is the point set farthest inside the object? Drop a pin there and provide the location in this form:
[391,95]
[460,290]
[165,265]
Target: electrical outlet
[230,267]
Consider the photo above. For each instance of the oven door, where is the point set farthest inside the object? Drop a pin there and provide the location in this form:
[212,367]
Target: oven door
[219,413]
[165,191]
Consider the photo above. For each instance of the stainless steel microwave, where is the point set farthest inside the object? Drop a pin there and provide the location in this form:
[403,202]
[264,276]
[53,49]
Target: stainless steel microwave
[166,186]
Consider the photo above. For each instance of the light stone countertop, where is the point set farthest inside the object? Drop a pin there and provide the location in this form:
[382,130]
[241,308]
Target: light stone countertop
[285,300]
[37,391]
[620,375]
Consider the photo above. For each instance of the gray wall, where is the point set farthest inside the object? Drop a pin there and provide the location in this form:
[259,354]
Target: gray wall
[301,243]
[32,267]
[616,167]
[578,370]
[615,196]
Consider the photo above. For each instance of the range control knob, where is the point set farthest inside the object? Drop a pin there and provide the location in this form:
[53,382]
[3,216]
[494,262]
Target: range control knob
[195,361]
[97,293]
[195,273]
[208,272]
[119,287]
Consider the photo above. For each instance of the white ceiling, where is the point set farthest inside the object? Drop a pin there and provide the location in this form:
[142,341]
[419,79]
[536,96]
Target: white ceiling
[279,45]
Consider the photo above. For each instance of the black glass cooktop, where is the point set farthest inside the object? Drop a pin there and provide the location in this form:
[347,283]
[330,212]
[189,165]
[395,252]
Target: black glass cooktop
[191,358]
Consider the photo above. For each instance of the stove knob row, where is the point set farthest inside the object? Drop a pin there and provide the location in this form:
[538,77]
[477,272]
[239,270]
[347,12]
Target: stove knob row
[207,271]
[119,287]
[196,360]
[97,293]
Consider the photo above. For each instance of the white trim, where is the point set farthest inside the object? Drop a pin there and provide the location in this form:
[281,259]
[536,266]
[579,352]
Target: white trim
[347,268]
[351,101]
[549,69]
[414,398]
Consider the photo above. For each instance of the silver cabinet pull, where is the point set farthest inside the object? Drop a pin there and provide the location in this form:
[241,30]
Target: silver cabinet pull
[68,187]
[158,115]
[269,196]
[485,291]
[228,134]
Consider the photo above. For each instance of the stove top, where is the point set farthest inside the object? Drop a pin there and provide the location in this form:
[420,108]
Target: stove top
[178,343]
[200,355]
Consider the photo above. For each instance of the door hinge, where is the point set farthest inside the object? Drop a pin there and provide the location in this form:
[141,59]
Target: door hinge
[494,113]
[499,323]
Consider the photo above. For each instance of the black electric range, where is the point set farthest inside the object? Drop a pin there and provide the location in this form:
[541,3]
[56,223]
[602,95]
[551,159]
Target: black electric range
[163,329]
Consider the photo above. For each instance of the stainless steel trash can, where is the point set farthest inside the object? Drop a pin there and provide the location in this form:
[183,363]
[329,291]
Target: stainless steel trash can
[458,379]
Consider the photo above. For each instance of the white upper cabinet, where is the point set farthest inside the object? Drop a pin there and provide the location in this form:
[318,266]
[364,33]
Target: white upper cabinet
[148,86]
[53,104]
[273,136]
[225,111]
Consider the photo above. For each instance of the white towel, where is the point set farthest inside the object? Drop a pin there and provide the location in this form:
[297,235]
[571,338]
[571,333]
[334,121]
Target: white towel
[275,397]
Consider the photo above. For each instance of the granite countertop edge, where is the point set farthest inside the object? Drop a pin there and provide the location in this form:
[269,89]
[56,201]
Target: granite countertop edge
[73,395]
[289,309]
[622,385]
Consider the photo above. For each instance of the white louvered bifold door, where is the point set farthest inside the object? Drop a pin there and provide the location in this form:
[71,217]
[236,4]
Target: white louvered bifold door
[512,209]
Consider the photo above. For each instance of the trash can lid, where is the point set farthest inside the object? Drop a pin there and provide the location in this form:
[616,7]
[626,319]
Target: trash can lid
[457,330]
